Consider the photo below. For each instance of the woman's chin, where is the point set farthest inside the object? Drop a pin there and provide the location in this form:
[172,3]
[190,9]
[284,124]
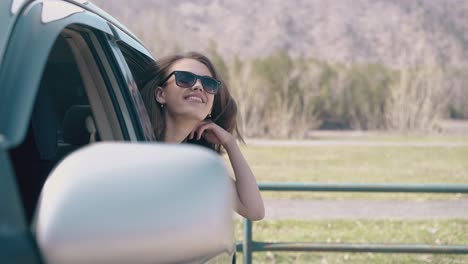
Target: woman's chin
[195,117]
[196,114]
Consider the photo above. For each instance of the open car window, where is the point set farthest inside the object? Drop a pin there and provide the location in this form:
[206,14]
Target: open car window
[79,101]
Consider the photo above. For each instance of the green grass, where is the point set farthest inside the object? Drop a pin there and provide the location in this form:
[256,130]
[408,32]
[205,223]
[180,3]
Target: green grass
[453,231]
[359,164]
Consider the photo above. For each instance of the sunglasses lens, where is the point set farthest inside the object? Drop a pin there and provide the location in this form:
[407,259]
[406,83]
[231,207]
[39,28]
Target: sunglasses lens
[185,79]
[210,85]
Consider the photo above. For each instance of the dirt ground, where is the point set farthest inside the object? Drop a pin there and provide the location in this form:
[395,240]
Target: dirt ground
[278,209]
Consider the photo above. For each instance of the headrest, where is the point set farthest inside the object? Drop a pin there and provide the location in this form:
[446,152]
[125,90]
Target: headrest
[78,125]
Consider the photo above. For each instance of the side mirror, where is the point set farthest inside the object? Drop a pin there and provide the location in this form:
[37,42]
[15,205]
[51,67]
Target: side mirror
[136,203]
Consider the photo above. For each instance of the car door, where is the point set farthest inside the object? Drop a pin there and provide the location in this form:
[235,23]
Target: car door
[57,61]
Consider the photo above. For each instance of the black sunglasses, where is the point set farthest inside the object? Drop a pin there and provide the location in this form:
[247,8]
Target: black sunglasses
[187,79]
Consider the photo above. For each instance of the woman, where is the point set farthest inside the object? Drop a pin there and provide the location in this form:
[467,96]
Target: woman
[188,102]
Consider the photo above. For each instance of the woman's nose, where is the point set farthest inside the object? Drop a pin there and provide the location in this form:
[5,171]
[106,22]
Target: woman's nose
[198,85]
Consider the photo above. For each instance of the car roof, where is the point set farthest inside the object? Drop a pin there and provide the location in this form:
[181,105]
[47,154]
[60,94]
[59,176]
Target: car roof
[10,9]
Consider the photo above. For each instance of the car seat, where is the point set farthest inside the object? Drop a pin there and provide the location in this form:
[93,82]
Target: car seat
[78,129]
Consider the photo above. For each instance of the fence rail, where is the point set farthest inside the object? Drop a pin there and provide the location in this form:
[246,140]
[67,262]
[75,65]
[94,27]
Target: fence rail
[351,187]
[248,246]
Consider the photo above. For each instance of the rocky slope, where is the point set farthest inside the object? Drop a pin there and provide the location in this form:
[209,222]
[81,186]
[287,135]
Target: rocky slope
[393,32]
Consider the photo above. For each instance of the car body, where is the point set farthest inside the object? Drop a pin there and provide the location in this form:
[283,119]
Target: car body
[68,74]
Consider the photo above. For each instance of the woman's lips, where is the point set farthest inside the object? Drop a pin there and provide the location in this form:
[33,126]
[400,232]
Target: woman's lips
[194,98]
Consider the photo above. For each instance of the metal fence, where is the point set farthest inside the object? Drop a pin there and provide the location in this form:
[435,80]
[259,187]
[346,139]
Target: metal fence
[248,246]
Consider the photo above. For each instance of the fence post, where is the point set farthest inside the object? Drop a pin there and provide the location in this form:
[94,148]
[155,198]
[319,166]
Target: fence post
[247,243]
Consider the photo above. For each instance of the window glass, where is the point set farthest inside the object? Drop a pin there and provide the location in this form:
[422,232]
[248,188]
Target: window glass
[137,63]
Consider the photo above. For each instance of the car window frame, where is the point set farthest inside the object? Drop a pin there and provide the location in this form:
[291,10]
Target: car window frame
[135,103]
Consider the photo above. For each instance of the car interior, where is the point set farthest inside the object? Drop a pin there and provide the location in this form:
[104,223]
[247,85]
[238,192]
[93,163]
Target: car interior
[72,109]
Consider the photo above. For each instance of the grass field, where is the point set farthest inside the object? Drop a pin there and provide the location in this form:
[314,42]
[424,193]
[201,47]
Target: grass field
[359,164]
[358,231]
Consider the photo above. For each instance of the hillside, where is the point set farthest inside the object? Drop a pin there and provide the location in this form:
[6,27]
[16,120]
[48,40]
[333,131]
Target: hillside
[393,32]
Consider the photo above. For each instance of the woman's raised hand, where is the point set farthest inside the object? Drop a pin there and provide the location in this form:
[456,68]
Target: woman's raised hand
[213,133]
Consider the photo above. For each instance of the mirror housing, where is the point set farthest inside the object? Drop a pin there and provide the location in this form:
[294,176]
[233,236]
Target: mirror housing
[136,203]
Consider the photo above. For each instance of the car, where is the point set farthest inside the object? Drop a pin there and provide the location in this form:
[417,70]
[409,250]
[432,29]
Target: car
[82,180]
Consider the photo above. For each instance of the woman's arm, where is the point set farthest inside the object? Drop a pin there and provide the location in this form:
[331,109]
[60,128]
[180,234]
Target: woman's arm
[248,201]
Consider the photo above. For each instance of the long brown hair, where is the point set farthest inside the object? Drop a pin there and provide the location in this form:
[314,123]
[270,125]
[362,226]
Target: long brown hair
[224,112]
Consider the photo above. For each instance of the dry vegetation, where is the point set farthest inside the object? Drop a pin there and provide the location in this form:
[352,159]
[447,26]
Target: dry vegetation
[300,65]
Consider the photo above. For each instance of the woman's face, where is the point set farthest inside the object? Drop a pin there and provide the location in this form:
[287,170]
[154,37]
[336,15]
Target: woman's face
[193,102]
